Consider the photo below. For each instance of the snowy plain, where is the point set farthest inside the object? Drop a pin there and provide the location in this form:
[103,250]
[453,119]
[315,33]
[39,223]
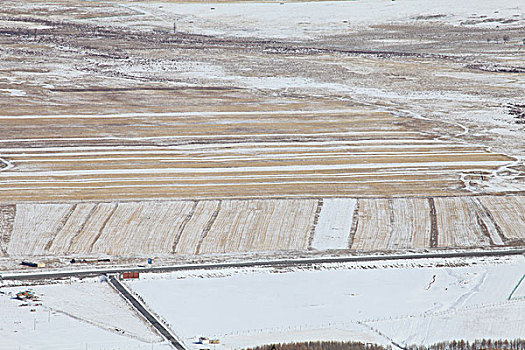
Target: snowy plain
[303,20]
[83,314]
[362,302]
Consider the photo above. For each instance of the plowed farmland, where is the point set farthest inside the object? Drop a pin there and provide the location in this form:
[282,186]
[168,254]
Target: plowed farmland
[341,169]
[209,155]
[171,228]
[137,129]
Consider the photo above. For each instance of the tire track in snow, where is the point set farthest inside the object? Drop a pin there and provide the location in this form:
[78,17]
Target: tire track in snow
[61,225]
[208,227]
[5,165]
[183,226]
[464,297]
[106,220]
[500,239]
[80,229]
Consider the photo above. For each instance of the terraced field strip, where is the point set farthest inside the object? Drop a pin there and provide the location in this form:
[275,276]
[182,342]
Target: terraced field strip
[163,228]
[260,225]
[410,223]
[374,225]
[35,225]
[458,225]
[237,155]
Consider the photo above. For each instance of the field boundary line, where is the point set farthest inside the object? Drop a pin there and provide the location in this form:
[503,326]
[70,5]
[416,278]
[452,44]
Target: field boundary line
[516,287]
[61,225]
[172,114]
[81,227]
[355,223]
[485,210]
[315,221]
[433,224]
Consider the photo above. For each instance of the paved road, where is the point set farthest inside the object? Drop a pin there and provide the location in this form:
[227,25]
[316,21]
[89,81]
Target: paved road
[148,315]
[263,263]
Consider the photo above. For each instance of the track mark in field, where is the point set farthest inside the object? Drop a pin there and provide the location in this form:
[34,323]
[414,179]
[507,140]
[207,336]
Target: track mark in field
[183,226]
[81,228]
[5,165]
[459,302]
[106,220]
[60,226]
[433,224]
[314,223]
[208,227]
[391,215]
[484,229]
[378,332]
[355,223]
[488,227]
[7,220]
[488,219]
[431,283]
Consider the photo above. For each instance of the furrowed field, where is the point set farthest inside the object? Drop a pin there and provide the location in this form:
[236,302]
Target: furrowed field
[154,228]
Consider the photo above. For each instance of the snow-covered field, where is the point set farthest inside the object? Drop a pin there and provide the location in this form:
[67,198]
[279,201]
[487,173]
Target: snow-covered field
[403,302]
[85,314]
[310,19]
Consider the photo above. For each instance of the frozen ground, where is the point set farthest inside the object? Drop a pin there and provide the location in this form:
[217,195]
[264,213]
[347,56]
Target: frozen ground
[444,69]
[380,303]
[303,20]
[84,314]
[445,72]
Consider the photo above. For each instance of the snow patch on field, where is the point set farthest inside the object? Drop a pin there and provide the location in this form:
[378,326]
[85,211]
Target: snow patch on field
[334,224]
[14,92]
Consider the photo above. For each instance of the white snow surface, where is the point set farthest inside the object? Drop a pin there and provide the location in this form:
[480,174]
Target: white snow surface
[14,92]
[334,224]
[85,314]
[313,19]
[343,302]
